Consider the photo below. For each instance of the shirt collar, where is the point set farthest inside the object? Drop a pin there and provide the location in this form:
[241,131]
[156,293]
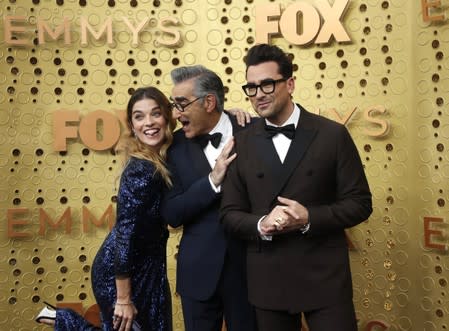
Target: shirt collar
[293,119]
[223,126]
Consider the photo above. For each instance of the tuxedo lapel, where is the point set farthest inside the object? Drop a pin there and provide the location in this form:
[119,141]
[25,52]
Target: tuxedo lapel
[298,147]
[198,160]
[260,142]
[264,148]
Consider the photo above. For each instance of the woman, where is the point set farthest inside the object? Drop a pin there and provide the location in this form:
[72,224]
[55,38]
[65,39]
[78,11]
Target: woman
[129,278]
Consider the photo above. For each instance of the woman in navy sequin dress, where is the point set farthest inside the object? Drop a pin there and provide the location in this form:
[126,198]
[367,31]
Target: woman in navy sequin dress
[129,274]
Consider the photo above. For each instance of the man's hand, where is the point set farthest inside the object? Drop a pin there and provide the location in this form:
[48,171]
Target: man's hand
[223,161]
[289,216]
[241,116]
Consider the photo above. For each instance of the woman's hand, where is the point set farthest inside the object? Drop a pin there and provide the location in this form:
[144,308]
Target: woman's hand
[124,314]
[124,310]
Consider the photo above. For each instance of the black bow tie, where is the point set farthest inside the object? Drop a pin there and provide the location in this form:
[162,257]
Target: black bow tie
[288,130]
[213,138]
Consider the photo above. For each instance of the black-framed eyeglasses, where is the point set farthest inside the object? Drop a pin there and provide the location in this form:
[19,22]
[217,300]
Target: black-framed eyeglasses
[267,86]
[182,107]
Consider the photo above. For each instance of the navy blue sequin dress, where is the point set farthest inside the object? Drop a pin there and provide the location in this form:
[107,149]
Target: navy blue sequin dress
[135,248]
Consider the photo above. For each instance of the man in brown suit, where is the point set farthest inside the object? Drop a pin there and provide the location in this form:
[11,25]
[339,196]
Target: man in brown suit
[297,183]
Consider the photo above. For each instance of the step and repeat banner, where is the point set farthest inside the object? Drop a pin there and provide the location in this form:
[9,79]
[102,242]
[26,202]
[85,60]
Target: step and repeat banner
[68,67]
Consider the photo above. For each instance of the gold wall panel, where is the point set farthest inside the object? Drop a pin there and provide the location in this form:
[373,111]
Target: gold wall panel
[395,70]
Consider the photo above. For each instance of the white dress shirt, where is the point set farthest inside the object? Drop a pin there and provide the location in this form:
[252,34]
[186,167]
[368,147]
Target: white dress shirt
[223,126]
[281,142]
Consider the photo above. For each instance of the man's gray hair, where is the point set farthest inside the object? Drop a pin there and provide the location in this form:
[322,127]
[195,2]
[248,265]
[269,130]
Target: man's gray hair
[205,82]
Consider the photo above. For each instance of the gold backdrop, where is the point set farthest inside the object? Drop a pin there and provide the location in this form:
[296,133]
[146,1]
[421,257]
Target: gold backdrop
[389,84]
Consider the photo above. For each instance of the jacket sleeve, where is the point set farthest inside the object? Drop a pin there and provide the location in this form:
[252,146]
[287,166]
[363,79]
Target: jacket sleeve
[135,197]
[235,207]
[353,203]
[182,205]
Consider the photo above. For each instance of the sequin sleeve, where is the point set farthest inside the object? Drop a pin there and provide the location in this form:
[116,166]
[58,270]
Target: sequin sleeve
[134,199]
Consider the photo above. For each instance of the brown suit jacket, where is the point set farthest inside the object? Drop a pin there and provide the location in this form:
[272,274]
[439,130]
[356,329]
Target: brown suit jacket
[323,171]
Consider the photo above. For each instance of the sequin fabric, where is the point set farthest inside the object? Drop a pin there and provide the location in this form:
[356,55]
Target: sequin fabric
[135,248]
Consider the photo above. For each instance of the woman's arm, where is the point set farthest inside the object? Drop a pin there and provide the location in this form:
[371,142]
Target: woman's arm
[124,311]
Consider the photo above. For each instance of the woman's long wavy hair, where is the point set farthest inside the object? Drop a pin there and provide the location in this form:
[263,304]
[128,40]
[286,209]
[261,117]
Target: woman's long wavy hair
[132,146]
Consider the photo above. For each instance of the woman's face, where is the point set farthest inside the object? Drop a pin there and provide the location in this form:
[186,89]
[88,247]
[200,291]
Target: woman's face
[148,123]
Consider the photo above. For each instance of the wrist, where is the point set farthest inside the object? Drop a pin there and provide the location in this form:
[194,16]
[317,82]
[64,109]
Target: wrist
[213,180]
[124,303]
[260,224]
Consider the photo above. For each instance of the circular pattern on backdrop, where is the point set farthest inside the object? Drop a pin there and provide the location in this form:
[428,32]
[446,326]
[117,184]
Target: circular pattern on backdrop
[214,37]
[189,17]
[212,14]
[42,78]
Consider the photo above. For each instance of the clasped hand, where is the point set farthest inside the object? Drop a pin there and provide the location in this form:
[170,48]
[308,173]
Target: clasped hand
[290,215]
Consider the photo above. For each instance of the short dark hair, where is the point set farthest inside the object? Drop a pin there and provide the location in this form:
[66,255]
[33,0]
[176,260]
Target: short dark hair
[266,53]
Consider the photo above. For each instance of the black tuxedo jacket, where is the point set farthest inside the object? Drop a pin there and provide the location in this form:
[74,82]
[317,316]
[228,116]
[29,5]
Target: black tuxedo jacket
[193,204]
[322,171]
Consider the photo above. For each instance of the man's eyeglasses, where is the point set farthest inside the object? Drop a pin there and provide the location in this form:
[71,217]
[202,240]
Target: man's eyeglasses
[266,86]
[182,107]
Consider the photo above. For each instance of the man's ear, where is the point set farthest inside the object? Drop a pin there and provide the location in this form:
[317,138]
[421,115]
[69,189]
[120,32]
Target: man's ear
[290,85]
[210,103]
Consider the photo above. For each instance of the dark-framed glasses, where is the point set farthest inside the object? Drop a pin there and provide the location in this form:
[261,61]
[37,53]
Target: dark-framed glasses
[182,107]
[267,86]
